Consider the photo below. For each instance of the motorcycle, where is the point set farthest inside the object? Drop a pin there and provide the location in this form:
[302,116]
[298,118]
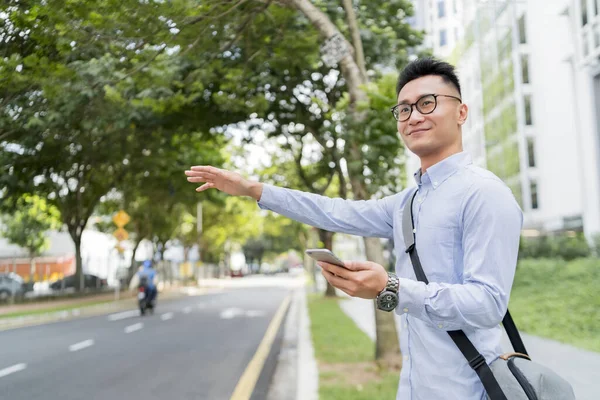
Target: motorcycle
[145,303]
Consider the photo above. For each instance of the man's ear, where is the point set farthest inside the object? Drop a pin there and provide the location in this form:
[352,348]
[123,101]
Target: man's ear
[463,112]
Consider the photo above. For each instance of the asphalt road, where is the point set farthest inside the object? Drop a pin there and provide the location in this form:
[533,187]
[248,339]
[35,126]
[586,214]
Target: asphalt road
[196,347]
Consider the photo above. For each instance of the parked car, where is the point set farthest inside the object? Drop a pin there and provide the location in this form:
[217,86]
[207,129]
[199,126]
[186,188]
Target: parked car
[236,273]
[11,285]
[89,282]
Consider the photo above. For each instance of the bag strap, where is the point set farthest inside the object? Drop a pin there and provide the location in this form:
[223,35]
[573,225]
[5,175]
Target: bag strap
[474,358]
[409,239]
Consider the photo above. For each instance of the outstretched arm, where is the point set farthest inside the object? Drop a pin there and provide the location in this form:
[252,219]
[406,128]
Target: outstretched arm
[372,218]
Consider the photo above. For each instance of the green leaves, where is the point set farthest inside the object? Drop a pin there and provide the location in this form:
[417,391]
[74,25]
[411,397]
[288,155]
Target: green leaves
[26,226]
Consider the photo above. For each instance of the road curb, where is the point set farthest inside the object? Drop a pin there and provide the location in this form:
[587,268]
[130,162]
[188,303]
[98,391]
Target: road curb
[296,376]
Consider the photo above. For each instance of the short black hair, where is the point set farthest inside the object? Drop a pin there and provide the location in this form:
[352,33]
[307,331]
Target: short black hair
[427,66]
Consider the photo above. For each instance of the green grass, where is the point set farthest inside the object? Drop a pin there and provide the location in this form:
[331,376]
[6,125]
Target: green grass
[50,310]
[345,354]
[559,300]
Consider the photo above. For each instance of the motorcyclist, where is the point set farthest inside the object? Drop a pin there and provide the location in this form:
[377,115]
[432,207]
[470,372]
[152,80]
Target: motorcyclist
[148,274]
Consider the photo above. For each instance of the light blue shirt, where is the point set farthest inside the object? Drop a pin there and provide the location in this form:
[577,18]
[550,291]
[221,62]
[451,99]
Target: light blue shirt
[468,226]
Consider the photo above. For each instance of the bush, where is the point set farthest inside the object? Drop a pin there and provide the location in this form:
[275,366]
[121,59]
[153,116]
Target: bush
[558,299]
[561,246]
[596,245]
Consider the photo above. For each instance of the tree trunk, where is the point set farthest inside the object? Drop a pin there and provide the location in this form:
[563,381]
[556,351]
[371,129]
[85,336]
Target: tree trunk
[387,347]
[132,269]
[31,269]
[359,55]
[326,238]
[78,263]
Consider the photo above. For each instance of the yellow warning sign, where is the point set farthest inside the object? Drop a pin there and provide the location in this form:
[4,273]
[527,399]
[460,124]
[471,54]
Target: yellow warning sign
[121,234]
[121,219]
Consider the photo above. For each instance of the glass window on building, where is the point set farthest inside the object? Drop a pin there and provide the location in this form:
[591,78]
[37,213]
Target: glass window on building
[455,6]
[443,39]
[441,9]
[584,12]
[534,195]
[525,68]
[522,32]
[530,152]
[528,118]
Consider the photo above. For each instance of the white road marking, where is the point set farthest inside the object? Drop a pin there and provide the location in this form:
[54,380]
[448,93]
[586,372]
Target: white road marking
[166,316]
[187,310]
[255,313]
[134,327]
[81,345]
[11,370]
[230,313]
[124,315]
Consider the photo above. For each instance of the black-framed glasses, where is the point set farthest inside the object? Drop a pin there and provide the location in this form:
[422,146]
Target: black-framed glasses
[425,105]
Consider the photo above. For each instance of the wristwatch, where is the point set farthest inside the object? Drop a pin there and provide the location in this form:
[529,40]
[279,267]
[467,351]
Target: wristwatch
[387,300]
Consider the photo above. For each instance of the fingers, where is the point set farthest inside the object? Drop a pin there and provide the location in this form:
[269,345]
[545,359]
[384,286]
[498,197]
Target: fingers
[357,265]
[335,269]
[205,169]
[199,174]
[198,179]
[202,188]
[336,281]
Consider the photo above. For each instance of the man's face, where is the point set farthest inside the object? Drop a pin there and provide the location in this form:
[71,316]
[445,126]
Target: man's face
[431,134]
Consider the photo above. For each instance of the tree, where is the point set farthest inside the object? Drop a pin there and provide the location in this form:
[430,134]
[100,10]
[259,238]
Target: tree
[27,226]
[73,120]
[353,69]
[265,58]
[235,221]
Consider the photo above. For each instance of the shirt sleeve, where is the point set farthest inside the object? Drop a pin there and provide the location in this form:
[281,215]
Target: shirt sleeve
[492,222]
[370,218]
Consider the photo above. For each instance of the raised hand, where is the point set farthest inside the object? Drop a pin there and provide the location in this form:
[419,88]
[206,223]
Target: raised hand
[226,181]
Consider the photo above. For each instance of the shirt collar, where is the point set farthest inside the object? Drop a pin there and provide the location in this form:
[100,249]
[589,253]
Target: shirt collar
[438,173]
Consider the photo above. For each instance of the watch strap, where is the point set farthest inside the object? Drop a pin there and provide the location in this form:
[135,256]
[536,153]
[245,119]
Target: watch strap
[393,283]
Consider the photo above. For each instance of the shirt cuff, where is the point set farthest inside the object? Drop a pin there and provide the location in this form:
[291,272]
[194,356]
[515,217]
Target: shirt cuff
[267,198]
[411,297]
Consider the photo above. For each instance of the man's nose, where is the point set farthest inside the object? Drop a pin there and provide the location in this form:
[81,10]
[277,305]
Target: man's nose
[415,117]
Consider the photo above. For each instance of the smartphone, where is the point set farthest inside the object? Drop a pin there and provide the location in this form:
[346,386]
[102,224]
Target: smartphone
[324,255]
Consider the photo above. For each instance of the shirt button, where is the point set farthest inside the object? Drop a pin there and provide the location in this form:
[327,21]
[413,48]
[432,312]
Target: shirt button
[420,200]
[435,184]
[405,358]
[440,326]
[405,309]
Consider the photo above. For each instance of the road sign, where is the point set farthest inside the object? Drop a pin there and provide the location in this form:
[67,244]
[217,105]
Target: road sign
[121,219]
[334,49]
[121,234]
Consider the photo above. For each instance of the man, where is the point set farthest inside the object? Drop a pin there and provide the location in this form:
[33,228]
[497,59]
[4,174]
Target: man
[467,235]
[146,273]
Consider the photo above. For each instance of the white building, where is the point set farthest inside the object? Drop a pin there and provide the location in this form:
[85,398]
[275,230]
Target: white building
[529,73]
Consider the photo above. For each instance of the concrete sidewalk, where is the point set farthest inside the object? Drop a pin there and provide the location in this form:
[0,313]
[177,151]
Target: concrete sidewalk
[581,368]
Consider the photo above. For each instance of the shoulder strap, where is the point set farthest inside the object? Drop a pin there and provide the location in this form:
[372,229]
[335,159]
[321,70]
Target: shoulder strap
[409,239]
[474,358]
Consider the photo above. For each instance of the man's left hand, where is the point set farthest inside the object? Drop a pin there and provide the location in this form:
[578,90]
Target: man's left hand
[363,279]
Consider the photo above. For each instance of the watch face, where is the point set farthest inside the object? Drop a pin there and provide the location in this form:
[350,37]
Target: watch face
[387,301]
